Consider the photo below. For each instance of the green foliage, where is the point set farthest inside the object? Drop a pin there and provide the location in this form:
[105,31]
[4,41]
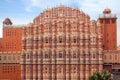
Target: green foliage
[104,75]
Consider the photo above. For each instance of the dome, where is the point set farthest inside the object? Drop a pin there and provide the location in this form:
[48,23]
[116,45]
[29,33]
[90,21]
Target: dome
[7,21]
[107,11]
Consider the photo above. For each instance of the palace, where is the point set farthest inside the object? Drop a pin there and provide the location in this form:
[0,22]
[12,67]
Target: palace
[61,43]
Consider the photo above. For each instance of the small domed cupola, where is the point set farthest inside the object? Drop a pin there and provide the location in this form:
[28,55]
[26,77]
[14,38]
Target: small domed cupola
[7,21]
[107,11]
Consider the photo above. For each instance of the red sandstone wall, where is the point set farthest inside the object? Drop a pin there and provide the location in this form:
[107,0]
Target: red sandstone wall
[10,72]
[12,39]
[10,69]
[110,36]
[109,33]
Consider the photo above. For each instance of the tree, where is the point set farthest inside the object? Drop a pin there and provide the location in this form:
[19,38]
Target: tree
[104,75]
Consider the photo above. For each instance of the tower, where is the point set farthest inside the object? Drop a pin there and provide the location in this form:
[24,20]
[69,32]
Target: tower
[108,22]
[10,51]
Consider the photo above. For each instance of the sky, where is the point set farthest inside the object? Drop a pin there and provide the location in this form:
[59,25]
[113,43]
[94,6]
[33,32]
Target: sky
[24,11]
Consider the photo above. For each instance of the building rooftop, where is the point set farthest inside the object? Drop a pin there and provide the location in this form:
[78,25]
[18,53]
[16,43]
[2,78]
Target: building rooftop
[107,14]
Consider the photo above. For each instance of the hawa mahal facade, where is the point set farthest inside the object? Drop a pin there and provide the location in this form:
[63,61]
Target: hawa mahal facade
[61,43]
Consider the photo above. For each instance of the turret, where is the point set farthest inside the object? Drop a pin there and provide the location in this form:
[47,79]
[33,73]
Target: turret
[108,22]
[7,21]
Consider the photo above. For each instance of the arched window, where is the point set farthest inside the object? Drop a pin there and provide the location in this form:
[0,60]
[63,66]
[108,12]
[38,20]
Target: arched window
[9,57]
[28,56]
[46,40]
[46,54]
[14,57]
[74,54]
[60,55]
[74,39]
[115,57]
[60,39]
[94,56]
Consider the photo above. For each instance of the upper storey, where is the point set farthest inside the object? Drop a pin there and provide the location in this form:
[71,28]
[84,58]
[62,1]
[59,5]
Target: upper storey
[61,13]
[107,14]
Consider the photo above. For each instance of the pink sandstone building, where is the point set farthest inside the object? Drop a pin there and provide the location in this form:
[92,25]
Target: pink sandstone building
[61,43]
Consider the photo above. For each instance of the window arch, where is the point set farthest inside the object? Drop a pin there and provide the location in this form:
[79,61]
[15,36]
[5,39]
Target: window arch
[60,39]
[75,39]
[46,40]
[74,54]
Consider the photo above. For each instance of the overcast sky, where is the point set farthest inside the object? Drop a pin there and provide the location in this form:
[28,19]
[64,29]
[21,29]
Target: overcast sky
[24,11]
